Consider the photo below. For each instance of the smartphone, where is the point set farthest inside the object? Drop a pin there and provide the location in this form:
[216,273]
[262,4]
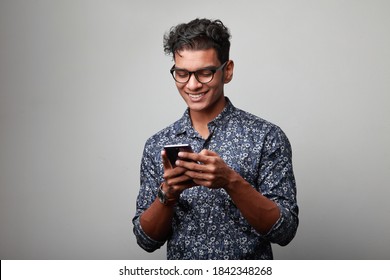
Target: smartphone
[173,150]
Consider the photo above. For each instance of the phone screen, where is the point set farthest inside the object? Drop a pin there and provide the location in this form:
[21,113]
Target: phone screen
[173,150]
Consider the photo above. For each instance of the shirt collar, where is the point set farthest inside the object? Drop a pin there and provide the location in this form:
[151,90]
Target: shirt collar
[184,125]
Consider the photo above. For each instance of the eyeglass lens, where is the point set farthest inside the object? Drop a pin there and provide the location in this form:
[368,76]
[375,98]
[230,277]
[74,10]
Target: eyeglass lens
[203,76]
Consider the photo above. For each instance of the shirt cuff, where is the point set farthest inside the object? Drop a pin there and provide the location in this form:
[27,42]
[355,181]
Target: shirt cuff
[283,231]
[143,240]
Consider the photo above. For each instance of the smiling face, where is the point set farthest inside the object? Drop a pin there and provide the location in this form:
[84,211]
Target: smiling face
[205,99]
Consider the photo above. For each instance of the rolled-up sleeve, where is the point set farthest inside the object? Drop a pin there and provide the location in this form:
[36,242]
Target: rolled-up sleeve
[149,180]
[143,240]
[277,182]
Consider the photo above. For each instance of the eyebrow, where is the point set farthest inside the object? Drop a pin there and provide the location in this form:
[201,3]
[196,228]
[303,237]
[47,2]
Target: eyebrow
[203,68]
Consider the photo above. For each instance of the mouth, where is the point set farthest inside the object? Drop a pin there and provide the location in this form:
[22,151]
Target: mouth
[196,97]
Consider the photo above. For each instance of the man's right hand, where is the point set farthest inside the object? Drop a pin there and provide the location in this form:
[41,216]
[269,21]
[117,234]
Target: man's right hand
[175,181]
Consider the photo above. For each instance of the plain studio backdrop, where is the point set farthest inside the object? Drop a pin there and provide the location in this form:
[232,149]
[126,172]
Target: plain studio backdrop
[83,84]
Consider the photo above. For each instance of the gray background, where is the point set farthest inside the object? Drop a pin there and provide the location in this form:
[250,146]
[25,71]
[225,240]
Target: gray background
[83,84]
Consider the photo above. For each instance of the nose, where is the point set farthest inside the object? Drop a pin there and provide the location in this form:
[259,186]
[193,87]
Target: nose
[193,83]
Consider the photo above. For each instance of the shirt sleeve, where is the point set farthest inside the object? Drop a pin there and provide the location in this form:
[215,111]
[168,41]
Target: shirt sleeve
[277,183]
[150,179]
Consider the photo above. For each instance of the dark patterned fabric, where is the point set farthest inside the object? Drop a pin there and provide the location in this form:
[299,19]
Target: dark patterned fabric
[207,224]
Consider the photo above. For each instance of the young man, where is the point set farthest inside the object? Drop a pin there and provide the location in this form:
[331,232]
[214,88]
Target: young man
[235,194]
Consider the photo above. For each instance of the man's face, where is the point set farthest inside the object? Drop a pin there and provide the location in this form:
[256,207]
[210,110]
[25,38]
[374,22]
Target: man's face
[202,98]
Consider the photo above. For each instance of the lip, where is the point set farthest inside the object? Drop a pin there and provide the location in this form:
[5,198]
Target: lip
[196,97]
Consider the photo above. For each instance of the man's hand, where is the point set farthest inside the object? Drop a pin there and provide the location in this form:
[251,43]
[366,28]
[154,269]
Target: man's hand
[211,171]
[175,179]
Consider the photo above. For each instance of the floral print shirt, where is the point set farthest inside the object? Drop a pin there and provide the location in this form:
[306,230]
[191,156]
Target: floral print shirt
[206,223]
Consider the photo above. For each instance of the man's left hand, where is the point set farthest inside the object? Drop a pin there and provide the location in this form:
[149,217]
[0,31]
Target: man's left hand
[206,168]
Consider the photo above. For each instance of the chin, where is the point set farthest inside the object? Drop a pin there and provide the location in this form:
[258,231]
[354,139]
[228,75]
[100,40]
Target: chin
[196,107]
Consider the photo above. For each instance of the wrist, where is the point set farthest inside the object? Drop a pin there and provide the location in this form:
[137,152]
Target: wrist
[165,197]
[233,181]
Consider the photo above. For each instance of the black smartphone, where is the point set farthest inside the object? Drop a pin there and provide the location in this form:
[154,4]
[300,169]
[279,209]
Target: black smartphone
[173,150]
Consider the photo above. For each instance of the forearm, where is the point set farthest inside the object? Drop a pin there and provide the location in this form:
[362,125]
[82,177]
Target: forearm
[260,212]
[156,221]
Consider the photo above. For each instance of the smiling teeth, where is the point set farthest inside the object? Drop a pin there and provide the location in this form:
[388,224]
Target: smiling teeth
[196,96]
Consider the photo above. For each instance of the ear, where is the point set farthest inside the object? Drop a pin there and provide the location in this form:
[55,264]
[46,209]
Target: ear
[229,71]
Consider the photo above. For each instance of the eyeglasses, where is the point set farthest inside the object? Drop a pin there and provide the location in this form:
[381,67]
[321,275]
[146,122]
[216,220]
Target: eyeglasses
[203,76]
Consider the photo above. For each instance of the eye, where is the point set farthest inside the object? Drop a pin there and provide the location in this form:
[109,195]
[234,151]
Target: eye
[205,73]
[181,73]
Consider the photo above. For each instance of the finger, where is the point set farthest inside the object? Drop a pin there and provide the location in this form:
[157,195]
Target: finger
[176,190]
[178,184]
[186,156]
[199,175]
[190,165]
[208,153]
[203,183]
[178,179]
[173,172]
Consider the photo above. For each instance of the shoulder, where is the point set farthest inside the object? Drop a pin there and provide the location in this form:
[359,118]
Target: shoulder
[164,136]
[261,129]
[253,122]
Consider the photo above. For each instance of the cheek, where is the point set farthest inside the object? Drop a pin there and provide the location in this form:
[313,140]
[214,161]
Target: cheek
[216,87]
[217,83]
[180,88]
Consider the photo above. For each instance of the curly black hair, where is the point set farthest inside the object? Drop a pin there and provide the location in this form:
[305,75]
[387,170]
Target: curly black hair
[199,34]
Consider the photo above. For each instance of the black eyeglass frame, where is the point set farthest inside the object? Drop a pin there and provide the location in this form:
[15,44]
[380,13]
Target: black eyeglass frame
[212,69]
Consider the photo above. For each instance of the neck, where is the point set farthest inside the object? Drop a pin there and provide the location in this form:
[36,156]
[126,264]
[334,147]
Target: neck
[200,119]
